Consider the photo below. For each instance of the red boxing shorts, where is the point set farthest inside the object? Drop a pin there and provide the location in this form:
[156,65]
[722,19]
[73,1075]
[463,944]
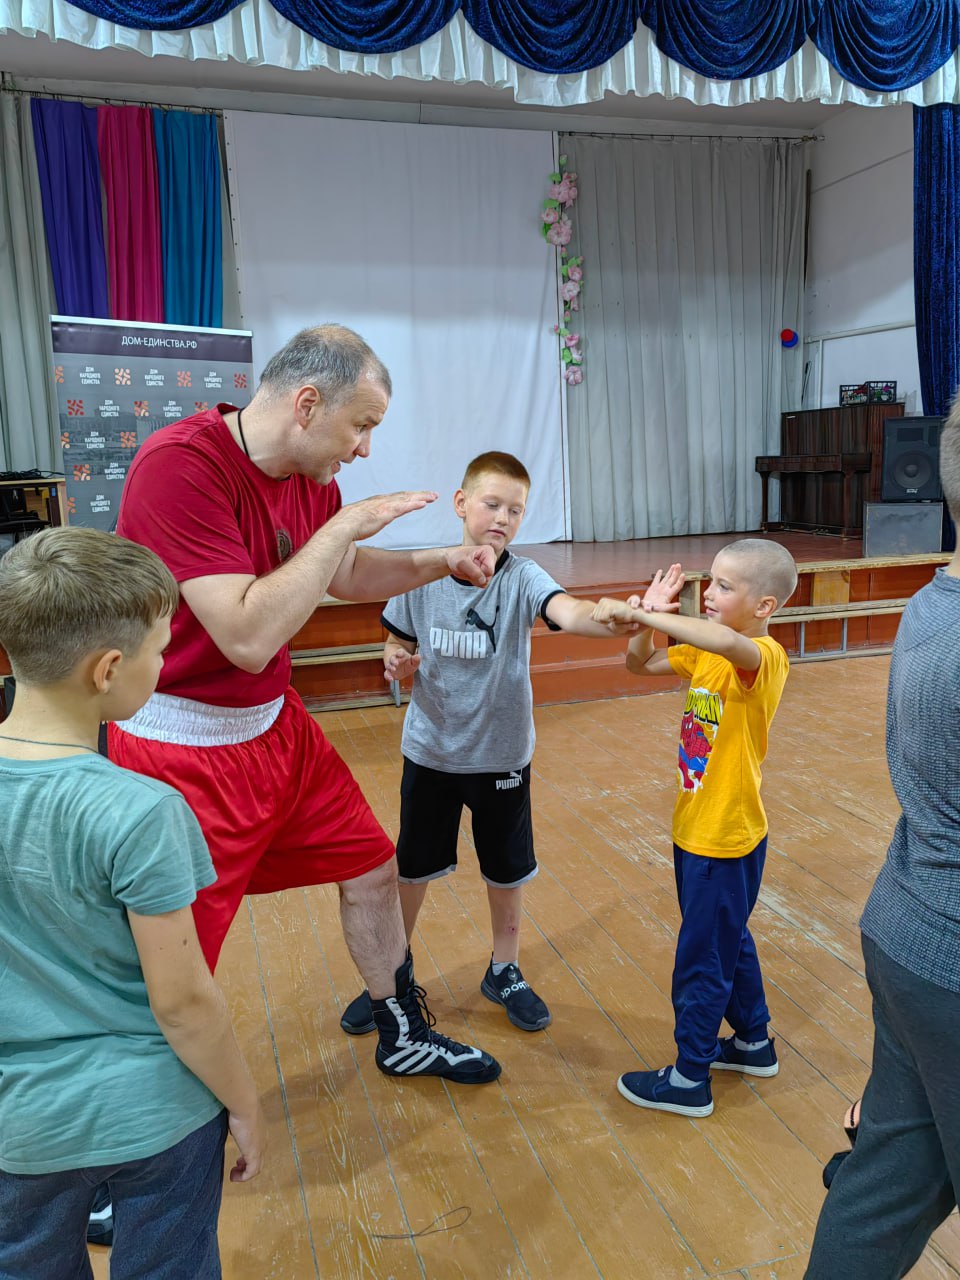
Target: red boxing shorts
[279,811]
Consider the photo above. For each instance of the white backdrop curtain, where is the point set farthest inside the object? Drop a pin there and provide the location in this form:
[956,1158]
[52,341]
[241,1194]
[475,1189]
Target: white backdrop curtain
[426,240]
[255,33]
[693,253]
[28,410]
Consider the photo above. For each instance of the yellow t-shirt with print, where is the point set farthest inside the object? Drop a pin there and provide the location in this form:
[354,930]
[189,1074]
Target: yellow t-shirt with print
[723,740]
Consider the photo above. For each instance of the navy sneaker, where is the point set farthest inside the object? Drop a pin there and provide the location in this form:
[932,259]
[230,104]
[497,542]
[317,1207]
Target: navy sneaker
[749,1062]
[653,1089]
[408,1045]
[357,1018]
[524,1007]
[100,1222]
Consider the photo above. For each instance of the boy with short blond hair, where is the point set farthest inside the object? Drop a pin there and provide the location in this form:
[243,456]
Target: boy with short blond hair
[737,674]
[468,736]
[117,1058]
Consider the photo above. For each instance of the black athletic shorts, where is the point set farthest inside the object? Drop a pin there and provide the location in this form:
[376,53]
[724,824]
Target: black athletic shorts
[431,803]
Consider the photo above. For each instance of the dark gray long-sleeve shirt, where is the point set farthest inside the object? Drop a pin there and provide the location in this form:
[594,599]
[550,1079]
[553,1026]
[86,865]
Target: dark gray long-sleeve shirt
[913,912]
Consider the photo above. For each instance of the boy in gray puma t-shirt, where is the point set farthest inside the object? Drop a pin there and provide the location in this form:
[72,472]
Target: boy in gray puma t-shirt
[468,736]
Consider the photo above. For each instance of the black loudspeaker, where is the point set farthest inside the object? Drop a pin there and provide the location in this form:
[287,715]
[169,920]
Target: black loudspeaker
[911,460]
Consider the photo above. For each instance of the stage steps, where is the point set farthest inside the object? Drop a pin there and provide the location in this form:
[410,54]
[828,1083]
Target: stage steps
[842,608]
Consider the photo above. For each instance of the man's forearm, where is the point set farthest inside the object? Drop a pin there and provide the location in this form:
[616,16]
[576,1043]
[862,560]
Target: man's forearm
[373,574]
[276,606]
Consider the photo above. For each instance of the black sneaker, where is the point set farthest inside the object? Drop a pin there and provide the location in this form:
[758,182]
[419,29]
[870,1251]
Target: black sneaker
[100,1222]
[357,1018]
[409,1047]
[524,1007]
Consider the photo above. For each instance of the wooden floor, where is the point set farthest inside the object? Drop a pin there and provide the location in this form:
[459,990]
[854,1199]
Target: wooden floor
[549,1174]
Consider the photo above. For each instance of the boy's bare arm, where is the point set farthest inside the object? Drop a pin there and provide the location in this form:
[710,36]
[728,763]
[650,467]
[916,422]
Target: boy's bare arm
[713,637]
[192,1014]
[576,616]
[400,658]
[579,616]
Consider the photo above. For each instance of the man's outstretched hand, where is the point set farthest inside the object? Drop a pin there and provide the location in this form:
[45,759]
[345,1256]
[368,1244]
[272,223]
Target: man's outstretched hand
[370,515]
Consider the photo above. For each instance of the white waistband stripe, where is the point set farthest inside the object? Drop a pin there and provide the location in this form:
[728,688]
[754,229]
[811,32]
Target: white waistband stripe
[198,724]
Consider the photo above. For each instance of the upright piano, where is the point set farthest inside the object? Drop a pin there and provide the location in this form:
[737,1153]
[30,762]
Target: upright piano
[830,463]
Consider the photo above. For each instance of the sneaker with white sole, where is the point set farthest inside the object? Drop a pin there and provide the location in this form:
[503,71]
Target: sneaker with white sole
[524,1007]
[100,1222]
[749,1062]
[408,1045]
[653,1090]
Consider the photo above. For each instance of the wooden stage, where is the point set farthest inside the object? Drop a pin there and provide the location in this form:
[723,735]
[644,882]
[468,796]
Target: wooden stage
[842,603]
[549,1174]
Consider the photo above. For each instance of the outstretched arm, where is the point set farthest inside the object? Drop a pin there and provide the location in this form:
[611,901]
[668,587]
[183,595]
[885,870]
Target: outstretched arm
[250,618]
[700,632]
[576,616]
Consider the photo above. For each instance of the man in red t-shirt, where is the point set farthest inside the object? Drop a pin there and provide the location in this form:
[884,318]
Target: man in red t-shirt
[244,508]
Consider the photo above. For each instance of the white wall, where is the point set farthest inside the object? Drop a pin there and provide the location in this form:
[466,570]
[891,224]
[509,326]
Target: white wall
[860,264]
[424,238]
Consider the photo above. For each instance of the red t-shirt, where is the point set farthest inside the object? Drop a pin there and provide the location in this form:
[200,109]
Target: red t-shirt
[197,500]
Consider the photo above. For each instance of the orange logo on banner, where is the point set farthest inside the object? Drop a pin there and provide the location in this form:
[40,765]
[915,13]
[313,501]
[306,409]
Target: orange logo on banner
[58,373]
[184,378]
[141,408]
[64,439]
[122,377]
[81,471]
[74,408]
[128,439]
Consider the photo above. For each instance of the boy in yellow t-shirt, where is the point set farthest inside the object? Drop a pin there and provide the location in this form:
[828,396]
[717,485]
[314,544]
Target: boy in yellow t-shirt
[737,673]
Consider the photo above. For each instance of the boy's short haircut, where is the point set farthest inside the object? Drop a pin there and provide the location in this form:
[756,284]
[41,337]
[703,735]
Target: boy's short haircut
[950,460]
[772,568]
[498,464]
[67,592]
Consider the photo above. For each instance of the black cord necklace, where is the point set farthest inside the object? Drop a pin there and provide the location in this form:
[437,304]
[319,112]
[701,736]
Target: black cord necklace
[243,438]
[35,742]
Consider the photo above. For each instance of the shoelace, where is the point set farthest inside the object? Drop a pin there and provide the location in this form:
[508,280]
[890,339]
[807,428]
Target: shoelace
[421,997]
[435,1037]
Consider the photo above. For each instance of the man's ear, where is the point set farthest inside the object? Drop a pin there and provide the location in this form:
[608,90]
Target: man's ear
[104,669]
[766,606]
[306,401]
[460,503]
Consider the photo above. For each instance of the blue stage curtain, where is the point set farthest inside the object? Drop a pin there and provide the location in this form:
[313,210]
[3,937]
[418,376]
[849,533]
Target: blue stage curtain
[369,26]
[188,173]
[65,138]
[729,39]
[887,44]
[936,252]
[167,15]
[555,36]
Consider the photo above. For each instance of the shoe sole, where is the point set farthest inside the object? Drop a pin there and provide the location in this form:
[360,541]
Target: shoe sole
[692,1113]
[494,1074]
[491,994]
[765,1072]
[352,1030]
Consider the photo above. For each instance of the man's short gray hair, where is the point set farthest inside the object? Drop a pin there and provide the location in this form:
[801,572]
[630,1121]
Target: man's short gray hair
[329,357]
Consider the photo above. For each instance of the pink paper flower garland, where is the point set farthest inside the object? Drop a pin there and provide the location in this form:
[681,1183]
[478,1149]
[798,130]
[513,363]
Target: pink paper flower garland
[557,230]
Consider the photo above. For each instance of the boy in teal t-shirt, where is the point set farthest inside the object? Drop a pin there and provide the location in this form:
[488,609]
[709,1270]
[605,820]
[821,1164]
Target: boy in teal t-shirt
[118,1064]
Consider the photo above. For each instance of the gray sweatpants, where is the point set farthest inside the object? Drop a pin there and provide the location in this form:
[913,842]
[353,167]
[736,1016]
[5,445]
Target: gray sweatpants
[899,1182]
